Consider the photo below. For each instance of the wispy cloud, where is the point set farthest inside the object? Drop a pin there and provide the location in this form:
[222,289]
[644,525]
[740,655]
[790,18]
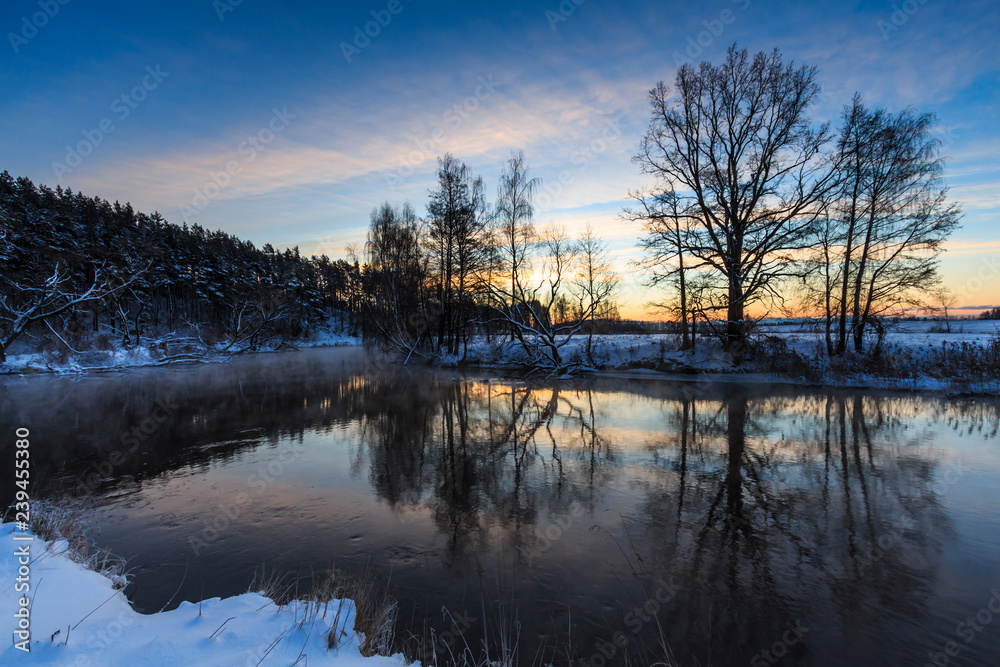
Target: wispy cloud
[370,130]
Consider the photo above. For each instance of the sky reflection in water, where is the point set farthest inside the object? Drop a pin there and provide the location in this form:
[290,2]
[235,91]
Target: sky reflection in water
[866,522]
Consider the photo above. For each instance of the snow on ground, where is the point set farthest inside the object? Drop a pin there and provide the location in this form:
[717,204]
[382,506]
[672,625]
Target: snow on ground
[903,332]
[617,352]
[328,339]
[914,334]
[79,619]
[608,351]
[76,363]
[629,355]
[149,354]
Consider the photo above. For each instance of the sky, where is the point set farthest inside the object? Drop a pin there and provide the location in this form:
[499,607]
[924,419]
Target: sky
[286,123]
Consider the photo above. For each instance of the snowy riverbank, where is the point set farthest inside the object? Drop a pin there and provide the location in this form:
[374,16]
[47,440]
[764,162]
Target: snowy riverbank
[917,355]
[79,618]
[151,354]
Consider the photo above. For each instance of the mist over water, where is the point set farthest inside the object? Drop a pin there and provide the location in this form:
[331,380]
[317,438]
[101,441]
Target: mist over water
[820,527]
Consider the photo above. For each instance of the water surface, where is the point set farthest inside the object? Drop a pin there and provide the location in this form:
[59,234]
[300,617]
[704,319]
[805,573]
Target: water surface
[823,527]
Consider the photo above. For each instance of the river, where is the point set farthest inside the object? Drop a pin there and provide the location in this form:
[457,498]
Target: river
[720,524]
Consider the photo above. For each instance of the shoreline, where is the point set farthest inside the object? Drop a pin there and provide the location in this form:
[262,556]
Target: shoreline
[140,358]
[82,617]
[953,388]
[931,386]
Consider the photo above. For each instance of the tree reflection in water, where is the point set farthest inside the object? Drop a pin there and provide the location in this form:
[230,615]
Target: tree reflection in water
[753,508]
[770,509]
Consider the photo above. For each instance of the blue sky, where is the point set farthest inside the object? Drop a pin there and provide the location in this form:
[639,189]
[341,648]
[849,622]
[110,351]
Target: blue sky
[313,138]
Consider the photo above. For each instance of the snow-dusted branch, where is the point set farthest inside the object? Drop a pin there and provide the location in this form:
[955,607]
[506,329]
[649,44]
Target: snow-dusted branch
[22,305]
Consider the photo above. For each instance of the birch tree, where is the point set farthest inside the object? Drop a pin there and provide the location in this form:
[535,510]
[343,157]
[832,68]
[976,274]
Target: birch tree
[895,215]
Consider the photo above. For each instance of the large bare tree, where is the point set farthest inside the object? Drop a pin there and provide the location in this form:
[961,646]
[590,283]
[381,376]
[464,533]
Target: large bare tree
[26,303]
[738,140]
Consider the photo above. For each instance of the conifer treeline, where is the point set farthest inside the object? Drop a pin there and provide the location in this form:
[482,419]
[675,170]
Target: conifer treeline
[152,276]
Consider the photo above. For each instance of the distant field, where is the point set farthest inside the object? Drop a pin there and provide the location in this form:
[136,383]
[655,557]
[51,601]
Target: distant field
[906,332]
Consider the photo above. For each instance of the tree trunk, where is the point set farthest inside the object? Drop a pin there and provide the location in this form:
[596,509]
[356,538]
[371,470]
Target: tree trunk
[735,338]
[685,340]
[590,341]
[828,297]
[852,224]
[859,320]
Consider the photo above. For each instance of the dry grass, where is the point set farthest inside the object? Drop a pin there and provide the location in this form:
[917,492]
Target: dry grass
[499,645]
[376,610]
[69,520]
[964,364]
[374,606]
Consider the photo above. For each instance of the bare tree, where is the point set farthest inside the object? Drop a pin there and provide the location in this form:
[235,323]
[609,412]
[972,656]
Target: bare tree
[856,152]
[529,305]
[819,287]
[667,221]
[449,209]
[595,284]
[254,318]
[457,222]
[472,253]
[539,313]
[941,303]
[23,304]
[739,139]
[895,214]
[514,233]
[503,279]
[395,275]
